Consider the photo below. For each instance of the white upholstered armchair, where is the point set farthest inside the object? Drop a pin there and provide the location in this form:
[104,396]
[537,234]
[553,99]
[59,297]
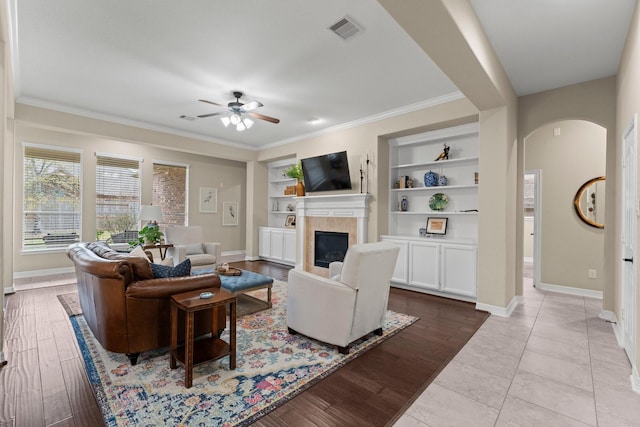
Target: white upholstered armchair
[188,242]
[350,304]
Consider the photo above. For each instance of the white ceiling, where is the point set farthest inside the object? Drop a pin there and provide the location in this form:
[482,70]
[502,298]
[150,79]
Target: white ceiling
[147,62]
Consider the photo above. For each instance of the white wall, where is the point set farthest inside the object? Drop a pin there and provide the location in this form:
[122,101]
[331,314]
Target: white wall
[569,247]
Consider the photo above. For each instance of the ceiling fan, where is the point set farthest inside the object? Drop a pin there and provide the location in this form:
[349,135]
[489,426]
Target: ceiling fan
[238,113]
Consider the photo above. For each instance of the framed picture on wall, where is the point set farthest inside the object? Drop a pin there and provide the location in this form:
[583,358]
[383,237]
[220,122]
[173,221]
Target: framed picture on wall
[208,200]
[290,222]
[436,225]
[230,213]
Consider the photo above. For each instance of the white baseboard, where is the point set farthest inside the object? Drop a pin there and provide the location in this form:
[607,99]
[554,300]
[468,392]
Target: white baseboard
[499,311]
[635,380]
[233,256]
[609,316]
[252,258]
[39,273]
[9,290]
[570,290]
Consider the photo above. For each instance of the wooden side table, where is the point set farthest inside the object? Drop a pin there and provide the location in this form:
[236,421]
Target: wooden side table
[203,350]
[161,247]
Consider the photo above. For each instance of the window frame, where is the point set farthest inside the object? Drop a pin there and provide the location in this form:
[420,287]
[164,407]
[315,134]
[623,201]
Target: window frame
[54,148]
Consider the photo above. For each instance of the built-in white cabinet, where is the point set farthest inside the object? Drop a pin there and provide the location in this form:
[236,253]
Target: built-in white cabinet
[441,263]
[436,266]
[277,244]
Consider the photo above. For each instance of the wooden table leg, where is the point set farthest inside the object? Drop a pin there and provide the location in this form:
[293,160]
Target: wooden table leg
[232,334]
[188,350]
[174,336]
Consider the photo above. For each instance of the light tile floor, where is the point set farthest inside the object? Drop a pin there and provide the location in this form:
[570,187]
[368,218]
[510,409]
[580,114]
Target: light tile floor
[553,362]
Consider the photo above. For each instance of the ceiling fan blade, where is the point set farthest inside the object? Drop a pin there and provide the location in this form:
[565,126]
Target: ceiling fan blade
[211,102]
[263,117]
[249,106]
[202,116]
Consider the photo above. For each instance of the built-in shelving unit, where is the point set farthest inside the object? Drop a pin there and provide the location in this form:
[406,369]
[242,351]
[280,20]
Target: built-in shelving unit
[439,264]
[277,242]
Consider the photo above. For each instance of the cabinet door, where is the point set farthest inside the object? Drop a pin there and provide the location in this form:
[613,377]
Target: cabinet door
[289,249]
[401,272]
[277,244]
[264,242]
[424,265]
[459,269]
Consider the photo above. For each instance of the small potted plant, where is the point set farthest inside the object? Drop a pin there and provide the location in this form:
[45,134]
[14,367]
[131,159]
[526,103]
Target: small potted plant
[295,171]
[149,235]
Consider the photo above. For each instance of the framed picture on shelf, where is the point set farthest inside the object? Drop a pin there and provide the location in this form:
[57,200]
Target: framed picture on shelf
[290,221]
[208,200]
[230,213]
[437,225]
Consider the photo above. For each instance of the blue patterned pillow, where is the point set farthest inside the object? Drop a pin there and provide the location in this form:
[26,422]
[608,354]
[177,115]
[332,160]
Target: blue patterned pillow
[180,270]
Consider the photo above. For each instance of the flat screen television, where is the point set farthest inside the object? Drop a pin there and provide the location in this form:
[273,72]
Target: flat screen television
[327,172]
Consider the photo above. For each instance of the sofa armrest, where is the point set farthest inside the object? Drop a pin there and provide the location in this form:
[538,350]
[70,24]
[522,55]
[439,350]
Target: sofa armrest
[165,287]
[335,269]
[213,248]
[178,252]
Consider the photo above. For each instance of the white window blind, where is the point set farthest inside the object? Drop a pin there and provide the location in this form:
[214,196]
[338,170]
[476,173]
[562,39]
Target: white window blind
[170,193]
[51,197]
[117,197]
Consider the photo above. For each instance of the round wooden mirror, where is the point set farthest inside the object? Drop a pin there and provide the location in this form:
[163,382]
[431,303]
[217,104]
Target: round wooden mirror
[589,202]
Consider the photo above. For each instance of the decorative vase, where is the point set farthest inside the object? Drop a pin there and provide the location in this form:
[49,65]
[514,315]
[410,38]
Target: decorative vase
[404,204]
[430,179]
[442,180]
[300,189]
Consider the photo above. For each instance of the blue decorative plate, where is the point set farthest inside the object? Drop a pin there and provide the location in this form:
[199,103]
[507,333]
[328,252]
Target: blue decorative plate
[438,202]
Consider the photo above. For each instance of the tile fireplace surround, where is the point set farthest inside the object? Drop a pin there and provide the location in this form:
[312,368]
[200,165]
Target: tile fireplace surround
[344,213]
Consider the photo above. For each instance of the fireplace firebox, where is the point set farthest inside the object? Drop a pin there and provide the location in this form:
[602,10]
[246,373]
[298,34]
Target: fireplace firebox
[329,246]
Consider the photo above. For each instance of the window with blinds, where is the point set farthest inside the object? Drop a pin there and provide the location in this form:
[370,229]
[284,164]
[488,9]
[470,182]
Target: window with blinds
[117,197]
[170,193]
[52,215]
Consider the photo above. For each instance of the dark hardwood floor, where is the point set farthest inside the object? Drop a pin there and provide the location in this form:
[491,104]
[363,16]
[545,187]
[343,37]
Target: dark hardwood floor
[44,383]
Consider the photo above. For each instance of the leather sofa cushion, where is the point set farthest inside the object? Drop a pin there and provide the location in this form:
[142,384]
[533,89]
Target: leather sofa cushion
[140,266]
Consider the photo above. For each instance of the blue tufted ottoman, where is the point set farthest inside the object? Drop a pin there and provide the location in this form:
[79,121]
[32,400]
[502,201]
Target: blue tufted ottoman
[247,281]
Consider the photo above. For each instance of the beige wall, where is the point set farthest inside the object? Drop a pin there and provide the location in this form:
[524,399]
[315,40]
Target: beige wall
[593,101]
[628,104]
[569,247]
[228,176]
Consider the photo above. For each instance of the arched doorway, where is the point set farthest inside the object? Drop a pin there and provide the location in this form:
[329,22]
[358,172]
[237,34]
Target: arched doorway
[569,257]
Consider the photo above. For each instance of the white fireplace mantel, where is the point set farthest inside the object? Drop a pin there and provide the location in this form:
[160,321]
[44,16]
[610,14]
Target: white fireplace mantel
[354,205]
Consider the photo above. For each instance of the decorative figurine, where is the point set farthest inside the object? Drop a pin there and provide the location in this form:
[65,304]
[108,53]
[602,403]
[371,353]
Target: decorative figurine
[445,153]
[404,204]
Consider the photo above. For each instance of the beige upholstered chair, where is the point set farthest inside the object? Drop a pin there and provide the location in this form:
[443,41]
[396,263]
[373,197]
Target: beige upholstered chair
[188,242]
[350,304]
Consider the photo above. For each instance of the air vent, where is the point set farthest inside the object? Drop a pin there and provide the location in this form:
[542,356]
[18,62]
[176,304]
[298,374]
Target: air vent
[190,118]
[345,28]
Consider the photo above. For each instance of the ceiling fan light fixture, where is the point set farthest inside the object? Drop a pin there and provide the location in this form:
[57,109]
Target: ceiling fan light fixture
[247,122]
[225,121]
[241,126]
[235,119]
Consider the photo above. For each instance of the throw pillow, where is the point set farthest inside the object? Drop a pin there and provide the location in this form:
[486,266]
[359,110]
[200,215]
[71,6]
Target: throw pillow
[180,270]
[194,249]
[167,261]
[139,252]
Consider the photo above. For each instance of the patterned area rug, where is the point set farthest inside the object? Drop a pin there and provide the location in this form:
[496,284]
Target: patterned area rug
[272,367]
[71,303]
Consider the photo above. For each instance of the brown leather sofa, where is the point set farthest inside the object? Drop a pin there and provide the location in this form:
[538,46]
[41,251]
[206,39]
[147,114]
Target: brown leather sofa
[127,309]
